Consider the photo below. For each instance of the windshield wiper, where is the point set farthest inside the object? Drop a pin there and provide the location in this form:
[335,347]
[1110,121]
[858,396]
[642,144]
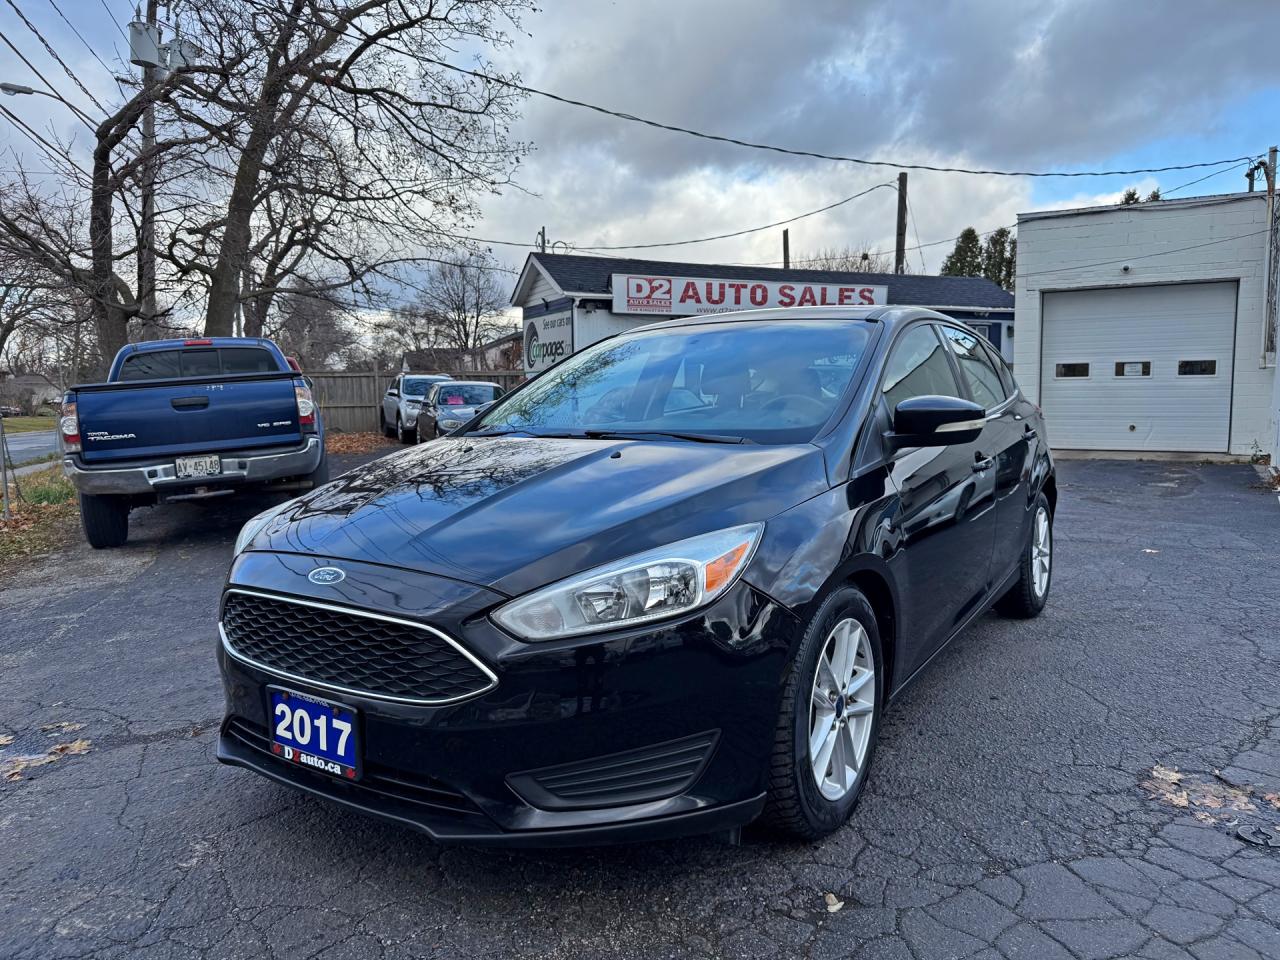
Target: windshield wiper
[661,435]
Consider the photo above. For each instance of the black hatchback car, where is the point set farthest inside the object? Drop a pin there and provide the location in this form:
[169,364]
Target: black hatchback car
[666,587]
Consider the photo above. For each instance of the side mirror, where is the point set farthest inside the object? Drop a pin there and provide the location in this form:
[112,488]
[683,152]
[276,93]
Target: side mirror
[933,421]
[393,393]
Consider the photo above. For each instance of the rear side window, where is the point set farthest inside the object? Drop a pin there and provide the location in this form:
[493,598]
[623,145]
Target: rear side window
[247,360]
[1002,368]
[984,380]
[918,367]
[153,365]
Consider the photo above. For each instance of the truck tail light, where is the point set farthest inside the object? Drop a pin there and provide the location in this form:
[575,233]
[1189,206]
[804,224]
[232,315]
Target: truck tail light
[69,424]
[306,406]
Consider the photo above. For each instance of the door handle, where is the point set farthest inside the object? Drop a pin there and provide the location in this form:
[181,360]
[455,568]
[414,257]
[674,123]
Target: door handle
[189,403]
[981,463]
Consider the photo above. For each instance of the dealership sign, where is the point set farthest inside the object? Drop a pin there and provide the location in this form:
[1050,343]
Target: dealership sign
[547,339]
[691,296]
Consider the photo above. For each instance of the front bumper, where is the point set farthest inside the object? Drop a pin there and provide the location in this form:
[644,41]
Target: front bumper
[159,477]
[462,772]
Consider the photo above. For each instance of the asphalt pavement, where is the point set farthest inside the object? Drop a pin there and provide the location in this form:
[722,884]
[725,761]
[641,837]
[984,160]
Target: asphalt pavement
[24,447]
[1068,787]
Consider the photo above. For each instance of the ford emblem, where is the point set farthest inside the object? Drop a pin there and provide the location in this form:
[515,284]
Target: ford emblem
[326,576]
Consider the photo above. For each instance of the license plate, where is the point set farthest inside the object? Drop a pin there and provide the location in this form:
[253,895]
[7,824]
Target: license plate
[314,733]
[207,466]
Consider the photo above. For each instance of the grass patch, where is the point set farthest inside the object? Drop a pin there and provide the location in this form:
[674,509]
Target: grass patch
[43,513]
[29,424]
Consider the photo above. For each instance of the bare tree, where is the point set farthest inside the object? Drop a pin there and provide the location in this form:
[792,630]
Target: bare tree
[464,302]
[311,146]
[855,258]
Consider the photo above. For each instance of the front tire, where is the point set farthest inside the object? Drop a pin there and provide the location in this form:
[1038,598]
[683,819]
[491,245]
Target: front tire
[830,719]
[1027,597]
[401,436]
[105,520]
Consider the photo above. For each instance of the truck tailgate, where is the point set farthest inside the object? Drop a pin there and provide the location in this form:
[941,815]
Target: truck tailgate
[156,418]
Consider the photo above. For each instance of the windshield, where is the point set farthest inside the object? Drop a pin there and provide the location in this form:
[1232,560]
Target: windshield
[773,381]
[465,394]
[417,386]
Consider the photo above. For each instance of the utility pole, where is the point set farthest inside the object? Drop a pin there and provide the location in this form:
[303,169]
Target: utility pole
[786,249]
[900,248]
[542,240]
[147,244]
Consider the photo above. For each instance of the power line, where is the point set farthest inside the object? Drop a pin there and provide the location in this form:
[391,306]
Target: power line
[80,114]
[738,233]
[736,141]
[50,150]
[92,51]
[114,20]
[54,54]
[915,230]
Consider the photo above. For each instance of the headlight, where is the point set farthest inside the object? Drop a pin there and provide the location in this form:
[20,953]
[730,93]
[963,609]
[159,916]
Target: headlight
[450,424]
[648,586]
[255,525]
[413,403]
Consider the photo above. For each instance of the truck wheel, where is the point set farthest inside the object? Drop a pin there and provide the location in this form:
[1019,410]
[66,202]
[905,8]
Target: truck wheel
[105,520]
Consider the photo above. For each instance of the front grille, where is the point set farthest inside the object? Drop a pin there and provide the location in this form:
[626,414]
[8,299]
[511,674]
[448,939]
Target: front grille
[349,651]
[423,791]
[636,776]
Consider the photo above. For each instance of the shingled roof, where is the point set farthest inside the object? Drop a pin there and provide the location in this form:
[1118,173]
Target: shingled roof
[579,274]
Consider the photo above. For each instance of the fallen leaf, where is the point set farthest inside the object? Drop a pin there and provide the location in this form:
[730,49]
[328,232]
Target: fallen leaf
[62,726]
[834,903]
[6,739]
[1179,799]
[75,747]
[1166,774]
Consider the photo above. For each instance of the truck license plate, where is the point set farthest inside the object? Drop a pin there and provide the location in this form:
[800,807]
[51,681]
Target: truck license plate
[314,733]
[206,466]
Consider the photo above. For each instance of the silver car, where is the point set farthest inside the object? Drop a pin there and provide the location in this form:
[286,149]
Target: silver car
[398,416]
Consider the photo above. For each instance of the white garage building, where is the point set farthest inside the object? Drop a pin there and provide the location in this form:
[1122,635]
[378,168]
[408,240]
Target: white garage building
[1145,327]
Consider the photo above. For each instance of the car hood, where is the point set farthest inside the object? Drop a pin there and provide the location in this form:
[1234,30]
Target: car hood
[455,413]
[514,513]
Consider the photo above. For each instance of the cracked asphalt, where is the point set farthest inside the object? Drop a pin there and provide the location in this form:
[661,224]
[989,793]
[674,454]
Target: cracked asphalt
[1069,787]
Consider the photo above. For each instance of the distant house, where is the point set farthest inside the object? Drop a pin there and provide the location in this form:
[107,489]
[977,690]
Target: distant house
[504,353]
[29,391]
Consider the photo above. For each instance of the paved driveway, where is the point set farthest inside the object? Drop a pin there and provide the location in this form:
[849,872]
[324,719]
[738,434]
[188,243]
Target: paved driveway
[1068,787]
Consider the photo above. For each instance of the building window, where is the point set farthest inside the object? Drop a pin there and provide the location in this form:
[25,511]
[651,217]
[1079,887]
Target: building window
[1197,368]
[1133,368]
[1065,370]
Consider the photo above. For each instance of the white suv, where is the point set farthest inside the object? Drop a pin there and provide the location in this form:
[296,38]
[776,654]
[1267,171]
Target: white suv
[398,416]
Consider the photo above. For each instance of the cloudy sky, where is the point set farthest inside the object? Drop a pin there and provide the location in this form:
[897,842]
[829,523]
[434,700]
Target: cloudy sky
[1020,84]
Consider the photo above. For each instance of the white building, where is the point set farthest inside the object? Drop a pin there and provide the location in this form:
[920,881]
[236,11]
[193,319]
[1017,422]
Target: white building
[1146,327]
[569,301]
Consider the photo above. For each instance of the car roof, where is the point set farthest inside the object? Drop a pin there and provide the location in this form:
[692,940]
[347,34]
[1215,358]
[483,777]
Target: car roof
[428,376]
[889,316]
[473,383]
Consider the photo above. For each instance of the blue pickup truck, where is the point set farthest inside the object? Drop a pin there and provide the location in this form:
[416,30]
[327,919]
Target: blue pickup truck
[188,420]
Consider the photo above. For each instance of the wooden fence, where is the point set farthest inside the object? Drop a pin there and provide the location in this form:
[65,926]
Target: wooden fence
[349,399]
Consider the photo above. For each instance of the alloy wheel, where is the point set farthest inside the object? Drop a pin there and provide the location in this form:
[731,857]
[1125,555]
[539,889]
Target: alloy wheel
[1041,552]
[841,709]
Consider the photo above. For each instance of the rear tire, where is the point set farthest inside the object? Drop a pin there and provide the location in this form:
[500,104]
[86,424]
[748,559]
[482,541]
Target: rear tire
[803,801]
[105,520]
[382,425]
[1027,597]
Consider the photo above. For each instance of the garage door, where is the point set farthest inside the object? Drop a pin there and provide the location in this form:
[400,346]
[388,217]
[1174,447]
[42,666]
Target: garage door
[1139,368]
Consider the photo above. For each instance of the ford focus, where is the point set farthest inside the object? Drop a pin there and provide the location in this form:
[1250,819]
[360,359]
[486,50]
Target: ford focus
[669,586]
